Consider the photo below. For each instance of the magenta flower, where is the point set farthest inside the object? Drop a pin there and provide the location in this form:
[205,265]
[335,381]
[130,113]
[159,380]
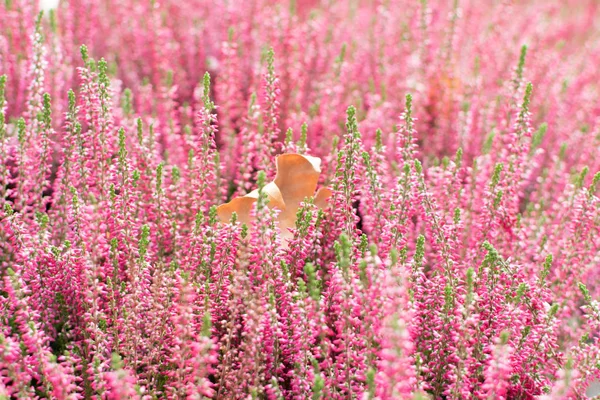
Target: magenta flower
[416,191]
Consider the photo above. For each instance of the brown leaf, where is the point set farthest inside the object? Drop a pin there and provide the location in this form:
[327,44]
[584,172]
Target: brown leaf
[322,197]
[296,180]
[242,205]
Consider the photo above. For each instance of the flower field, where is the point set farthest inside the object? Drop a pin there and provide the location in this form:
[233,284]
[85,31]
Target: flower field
[299,199]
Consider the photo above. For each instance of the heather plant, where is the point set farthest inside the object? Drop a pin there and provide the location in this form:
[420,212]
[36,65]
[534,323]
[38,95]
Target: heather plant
[299,199]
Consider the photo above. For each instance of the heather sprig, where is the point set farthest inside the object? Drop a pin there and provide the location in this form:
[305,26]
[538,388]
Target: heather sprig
[436,244]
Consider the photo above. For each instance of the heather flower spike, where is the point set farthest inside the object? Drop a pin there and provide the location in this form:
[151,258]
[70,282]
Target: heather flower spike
[296,180]
[460,252]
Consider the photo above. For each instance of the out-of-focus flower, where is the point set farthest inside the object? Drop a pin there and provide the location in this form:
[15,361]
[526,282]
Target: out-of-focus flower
[48,5]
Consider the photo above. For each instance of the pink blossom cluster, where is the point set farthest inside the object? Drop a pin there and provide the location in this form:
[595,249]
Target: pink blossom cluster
[459,255]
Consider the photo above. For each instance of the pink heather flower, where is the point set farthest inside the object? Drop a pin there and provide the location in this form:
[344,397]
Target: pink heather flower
[498,371]
[457,256]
